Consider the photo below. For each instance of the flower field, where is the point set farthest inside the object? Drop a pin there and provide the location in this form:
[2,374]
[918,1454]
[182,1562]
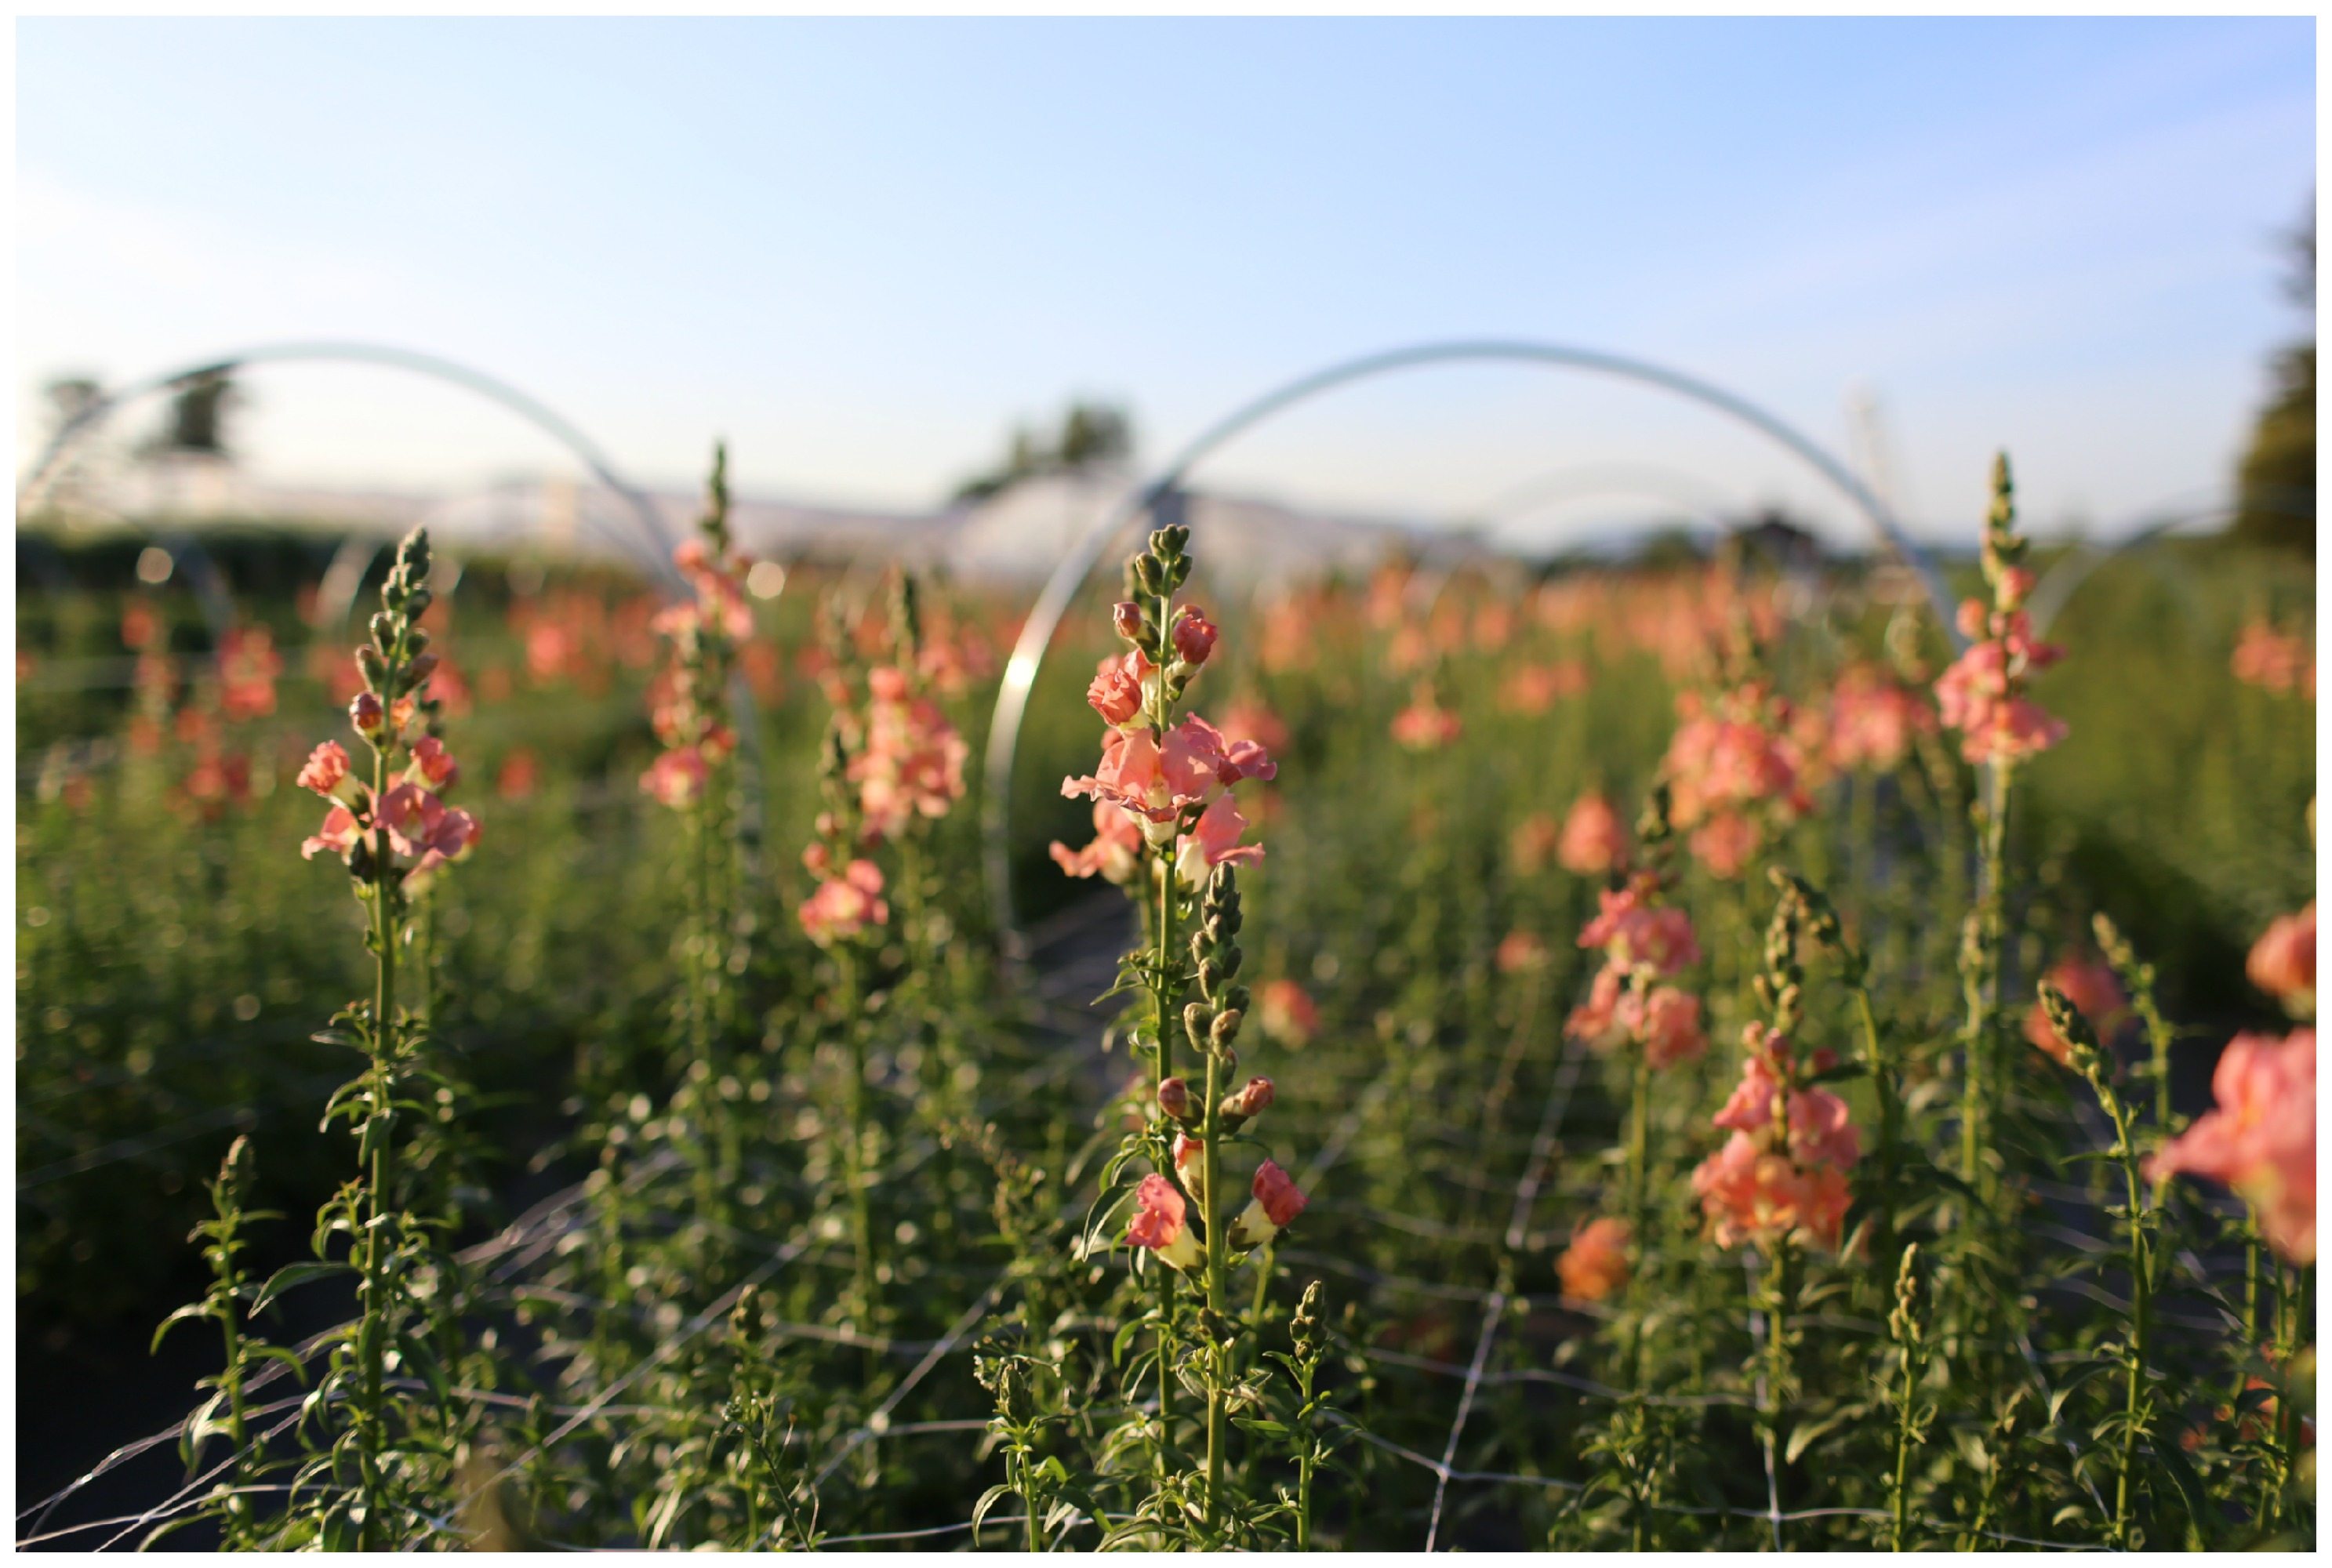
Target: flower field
[1705,1056]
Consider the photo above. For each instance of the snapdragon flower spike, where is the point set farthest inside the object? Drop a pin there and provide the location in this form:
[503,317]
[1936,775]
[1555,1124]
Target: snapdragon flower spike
[1783,1171]
[1981,696]
[1272,1209]
[846,905]
[1160,1224]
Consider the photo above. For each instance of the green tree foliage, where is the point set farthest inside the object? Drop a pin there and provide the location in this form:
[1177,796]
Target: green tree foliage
[1090,434]
[2276,483]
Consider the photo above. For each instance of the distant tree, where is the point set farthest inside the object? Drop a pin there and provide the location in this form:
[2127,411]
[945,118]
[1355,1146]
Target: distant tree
[2275,485]
[1091,434]
[199,409]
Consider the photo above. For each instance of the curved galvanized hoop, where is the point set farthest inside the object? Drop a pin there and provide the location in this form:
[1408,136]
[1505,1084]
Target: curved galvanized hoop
[1061,587]
[651,548]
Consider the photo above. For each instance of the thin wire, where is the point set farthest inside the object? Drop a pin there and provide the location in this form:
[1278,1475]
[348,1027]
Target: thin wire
[1558,1101]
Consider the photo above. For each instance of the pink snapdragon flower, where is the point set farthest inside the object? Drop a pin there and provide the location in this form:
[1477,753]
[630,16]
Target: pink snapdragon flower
[2090,984]
[1160,1224]
[327,773]
[1288,1013]
[1115,853]
[1247,1102]
[1732,765]
[1981,696]
[1751,1194]
[1874,721]
[1160,783]
[1521,950]
[1766,1183]
[2282,963]
[1213,841]
[1594,840]
[844,906]
[338,836]
[2260,1139]
[1636,933]
[1425,725]
[676,778]
[1119,691]
[432,764]
[2274,661]
[1273,1208]
[912,762]
[1669,1026]
[1595,1265]
[1194,636]
[248,666]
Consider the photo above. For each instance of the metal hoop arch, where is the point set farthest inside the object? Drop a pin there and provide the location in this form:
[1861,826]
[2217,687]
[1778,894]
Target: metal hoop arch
[1053,602]
[655,551]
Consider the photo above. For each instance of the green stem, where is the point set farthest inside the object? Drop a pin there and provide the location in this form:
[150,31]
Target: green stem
[862,1217]
[1982,986]
[1218,1250]
[374,1329]
[1891,1112]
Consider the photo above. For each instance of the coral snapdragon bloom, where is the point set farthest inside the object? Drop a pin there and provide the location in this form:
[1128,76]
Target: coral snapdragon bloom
[327,773]
[1762,1185]
[2275,661]
[1670,1027]
[913,762]
[338,836]
[2260,1139]
[1272,1209]
[1981,694]
[1288,1013]
[1595,1265]
[1753,1195]
[2090,984]
[1115,853]
[1194,636]
[423,826]
[676,778]
[1213,841]
[1425,725]
[1597,1022]
[1729,764]
[844,905]
[2282,963]
[1160,783]
[1636,933]
[248,665]
[1521,950]
[1160,1224]
[1873,721]
[432,764]
[1119,691]
[1593,841]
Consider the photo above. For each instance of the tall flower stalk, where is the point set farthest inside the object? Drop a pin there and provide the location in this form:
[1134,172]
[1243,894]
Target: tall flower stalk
[2139,1222]
[1982,696]
[396,836]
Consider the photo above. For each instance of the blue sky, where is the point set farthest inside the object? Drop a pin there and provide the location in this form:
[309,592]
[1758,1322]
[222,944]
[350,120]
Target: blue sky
[862,249]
